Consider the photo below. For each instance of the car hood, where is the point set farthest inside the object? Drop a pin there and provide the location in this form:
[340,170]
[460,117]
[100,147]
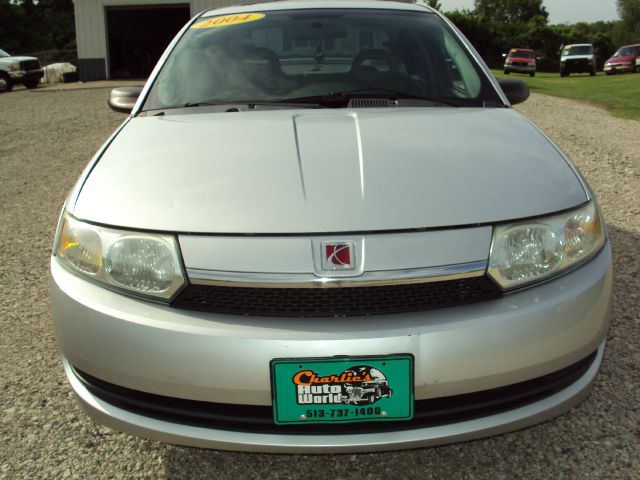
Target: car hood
[300,171]
[623,58]
[16,59]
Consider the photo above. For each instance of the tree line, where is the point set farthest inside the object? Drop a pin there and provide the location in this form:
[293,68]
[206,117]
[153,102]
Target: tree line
[34,25]
[493,26]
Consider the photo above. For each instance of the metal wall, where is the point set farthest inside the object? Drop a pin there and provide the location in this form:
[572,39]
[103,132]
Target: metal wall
[91,31]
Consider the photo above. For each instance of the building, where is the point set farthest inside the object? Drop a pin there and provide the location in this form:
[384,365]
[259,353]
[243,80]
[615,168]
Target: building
[124,38]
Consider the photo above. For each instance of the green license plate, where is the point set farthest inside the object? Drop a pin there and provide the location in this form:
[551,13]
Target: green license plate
[342,389]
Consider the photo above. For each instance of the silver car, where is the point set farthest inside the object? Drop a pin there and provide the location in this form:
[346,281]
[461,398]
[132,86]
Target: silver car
[309,199]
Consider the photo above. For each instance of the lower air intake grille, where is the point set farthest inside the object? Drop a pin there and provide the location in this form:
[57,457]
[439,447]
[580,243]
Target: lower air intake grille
[259,419]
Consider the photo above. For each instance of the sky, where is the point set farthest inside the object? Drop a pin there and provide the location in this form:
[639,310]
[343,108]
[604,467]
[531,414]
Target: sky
[560,11]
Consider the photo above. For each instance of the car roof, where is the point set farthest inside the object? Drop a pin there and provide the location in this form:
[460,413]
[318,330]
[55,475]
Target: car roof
[579,45]
[323,4]
[521,49]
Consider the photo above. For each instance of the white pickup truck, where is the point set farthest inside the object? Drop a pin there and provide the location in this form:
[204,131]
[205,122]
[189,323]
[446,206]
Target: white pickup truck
[25,70]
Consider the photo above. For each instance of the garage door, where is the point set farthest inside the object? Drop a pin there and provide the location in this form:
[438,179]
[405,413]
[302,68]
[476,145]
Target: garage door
[137,36]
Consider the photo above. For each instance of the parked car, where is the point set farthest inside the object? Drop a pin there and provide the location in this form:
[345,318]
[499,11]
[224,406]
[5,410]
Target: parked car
[520,60]
[309,199]
[25,70]
[624,60]
[578,58]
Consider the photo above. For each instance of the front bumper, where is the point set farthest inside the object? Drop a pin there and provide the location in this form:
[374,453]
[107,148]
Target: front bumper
[26,75]
[225,359]
[520,68]
[577,66]
[619,68]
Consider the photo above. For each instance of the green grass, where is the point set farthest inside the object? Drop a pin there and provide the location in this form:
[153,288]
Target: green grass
[620,94]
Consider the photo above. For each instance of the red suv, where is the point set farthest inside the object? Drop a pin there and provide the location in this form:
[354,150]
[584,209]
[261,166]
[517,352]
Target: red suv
[520,60]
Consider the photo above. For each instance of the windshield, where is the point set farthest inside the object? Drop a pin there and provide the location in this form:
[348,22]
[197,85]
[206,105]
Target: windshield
[281,56]
[4,54]
[521,54]
[625,51]
[578,50]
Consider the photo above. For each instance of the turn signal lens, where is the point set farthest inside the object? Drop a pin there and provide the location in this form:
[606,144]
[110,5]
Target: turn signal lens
[81,248]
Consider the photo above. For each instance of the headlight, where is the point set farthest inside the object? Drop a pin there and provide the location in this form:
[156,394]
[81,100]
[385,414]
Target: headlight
[532,251]
[143,264]
[15,67]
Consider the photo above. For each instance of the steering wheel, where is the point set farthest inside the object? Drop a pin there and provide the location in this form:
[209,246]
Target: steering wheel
[368,62]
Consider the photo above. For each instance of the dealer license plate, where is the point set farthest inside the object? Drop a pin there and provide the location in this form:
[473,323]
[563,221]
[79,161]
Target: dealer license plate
[342,389]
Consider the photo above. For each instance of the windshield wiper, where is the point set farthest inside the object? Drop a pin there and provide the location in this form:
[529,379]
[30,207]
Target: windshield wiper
[199,104]
[250,104]
[339,98]
[234,106]
[333,99]
[283,103]
[188,105]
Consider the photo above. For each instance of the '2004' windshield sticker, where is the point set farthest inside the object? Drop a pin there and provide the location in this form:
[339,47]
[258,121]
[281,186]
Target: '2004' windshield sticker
[226,20]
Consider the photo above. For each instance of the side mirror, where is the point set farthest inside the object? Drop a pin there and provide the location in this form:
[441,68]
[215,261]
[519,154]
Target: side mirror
[123,99]
[516,90]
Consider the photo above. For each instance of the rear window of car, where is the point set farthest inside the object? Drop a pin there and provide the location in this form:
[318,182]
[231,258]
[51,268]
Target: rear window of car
[288,54]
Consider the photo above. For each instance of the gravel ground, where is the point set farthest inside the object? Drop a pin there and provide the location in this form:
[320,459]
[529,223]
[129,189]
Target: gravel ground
[46,139]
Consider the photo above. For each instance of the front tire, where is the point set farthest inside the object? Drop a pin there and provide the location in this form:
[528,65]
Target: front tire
[506,72]
[532,74]
[592,74]
[6,85]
